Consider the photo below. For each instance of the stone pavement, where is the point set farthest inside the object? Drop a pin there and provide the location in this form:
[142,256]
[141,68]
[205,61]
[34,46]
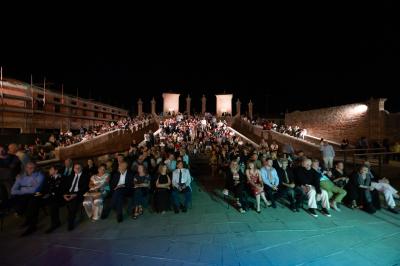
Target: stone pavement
[210,233]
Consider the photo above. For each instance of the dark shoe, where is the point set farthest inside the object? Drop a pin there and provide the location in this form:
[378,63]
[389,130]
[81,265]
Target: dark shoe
[370,209]
[70,227]
[325,212]
[176,210]
[52,228]
[25,224]
[119,218]
[273,205]
[313,212]
[184,209]
[393,210]
[30,230]
[297,209]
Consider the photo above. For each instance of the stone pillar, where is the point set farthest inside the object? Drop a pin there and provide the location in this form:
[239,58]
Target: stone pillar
[153,106]
[203,104]
[251,110]
[188,99]
[140,107]
[375,112]
[238,103]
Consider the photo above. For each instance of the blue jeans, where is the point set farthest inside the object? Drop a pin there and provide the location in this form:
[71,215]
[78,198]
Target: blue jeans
[175,196]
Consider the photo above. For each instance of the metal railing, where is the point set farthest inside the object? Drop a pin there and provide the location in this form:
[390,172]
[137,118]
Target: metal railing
[346,153]
[379,158]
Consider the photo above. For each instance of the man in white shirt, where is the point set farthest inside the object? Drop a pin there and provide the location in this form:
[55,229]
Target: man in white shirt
[121,186]
[181,180]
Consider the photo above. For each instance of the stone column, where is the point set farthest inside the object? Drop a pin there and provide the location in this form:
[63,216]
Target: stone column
[153,106]
[140,107]
[238,103]
[188,99]
[203,104]
[251,110]
[375,114]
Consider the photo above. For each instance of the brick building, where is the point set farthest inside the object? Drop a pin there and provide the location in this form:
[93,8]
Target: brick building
[31,109]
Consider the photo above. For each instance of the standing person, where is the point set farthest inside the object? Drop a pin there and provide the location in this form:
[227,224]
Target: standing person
[328,155]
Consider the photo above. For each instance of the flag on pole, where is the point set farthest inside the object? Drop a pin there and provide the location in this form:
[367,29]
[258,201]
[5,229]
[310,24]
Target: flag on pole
[32,91]
[62,93]
[1,81]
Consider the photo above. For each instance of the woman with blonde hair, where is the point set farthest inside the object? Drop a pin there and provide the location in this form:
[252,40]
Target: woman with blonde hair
[98,190]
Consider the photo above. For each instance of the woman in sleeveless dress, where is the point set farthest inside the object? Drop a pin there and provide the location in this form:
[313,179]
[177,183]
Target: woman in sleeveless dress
[256,184]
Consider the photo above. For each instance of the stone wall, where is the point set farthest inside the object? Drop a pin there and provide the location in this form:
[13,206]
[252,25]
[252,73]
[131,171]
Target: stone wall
[256,133]
[350,121]
[115,141]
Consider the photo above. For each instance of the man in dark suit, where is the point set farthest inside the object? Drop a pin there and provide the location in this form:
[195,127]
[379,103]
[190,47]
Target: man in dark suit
[74,188]
[121,185]
[67,170]
[287,187]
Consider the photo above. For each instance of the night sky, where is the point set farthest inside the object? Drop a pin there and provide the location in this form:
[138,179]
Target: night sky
[280,67]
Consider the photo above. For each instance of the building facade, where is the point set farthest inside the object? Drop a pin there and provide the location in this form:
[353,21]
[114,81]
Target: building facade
[32,109]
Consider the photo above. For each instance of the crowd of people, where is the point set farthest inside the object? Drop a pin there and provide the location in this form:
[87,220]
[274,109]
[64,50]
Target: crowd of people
[155,175]
[44,150]
[294,131]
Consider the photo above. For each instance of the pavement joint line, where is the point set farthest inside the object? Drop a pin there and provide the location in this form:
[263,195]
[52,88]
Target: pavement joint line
[298,240]
[133,255]
[353,247]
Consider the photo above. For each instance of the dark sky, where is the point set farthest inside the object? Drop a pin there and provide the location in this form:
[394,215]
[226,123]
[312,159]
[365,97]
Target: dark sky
[293,66]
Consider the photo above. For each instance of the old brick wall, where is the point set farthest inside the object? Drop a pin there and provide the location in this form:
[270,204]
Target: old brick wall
[350,121]
[256,133]
[392,126]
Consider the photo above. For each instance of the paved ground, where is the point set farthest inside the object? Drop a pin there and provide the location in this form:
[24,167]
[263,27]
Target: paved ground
[212,234]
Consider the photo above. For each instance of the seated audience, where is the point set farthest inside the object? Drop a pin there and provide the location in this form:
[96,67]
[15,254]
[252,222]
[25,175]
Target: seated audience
[141,184]
[74,188]
[121,186]
[256,185]
[235,182]
[271,180]
[288,188]
[25,186]
[309,181]
[98,191]
[163,189]
[335,193]
[181,180]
